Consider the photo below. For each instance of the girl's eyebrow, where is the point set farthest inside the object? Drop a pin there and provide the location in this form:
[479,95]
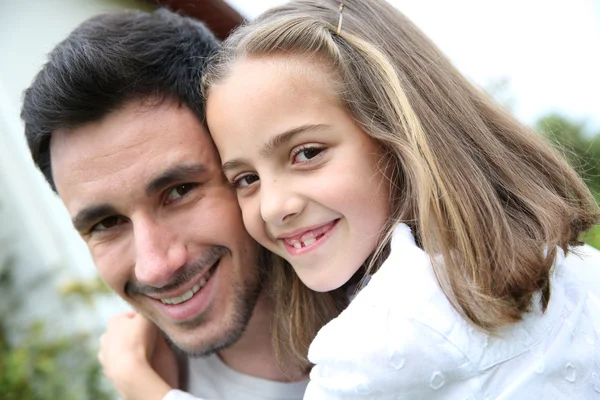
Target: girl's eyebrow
[275,142]
[233,164]
[282,138]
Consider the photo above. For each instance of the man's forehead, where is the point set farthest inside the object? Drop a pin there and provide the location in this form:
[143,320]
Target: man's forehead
[131,126]
[129,147]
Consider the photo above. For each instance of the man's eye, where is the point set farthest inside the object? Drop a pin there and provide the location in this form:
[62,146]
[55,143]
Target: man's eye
[305,154]
[108,223]
[245,181]
[179,191]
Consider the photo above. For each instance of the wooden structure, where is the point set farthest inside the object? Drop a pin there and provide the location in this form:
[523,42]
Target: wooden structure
[218,15]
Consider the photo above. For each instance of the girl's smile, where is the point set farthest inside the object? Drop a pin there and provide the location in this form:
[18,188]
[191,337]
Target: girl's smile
[306,240]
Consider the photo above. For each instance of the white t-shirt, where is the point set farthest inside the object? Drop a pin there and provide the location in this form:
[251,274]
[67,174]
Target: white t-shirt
[401,339]
[209,378]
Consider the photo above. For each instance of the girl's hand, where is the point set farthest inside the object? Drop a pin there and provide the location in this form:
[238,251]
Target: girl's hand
[126,350]
[164,362]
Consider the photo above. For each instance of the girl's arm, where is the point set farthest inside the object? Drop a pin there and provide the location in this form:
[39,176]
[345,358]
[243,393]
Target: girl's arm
[129,348]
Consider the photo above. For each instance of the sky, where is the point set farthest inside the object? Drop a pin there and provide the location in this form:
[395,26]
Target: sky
[541,55]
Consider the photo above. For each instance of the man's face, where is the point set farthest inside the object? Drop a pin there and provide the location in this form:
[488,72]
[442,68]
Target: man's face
[145,191]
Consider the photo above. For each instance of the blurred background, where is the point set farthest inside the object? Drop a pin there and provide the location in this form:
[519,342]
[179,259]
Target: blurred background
[539,58]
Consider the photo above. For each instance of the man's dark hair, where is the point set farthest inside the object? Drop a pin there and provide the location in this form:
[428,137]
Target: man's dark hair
[109,60]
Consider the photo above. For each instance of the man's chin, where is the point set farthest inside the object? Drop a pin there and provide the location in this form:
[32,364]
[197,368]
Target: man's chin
[202,347]
[202,337]
[217,327]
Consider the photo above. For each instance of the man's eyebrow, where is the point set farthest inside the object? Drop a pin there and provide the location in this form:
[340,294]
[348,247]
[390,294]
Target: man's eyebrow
[275,142]
[176,174]
[89,215]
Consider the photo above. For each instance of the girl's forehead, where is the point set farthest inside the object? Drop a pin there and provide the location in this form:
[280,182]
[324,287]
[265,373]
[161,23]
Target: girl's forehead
[304,71]
[270,86]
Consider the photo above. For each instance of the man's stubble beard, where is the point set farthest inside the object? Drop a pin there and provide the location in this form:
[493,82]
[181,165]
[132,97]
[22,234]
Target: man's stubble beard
[245,299]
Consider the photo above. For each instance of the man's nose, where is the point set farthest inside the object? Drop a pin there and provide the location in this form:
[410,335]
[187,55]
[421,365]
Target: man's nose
[279,203]
[160,253]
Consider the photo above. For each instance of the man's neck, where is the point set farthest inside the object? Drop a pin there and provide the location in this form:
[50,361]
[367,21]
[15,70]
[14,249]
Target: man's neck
[253,353]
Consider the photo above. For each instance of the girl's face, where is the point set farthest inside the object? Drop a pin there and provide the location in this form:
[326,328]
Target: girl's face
[306,176]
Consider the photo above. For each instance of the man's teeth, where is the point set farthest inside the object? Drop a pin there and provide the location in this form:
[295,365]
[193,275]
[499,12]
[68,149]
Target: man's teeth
[189,294]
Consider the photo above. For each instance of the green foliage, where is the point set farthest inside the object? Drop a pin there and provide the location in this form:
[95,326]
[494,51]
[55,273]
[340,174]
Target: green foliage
[583,152]
[85,290]
[36,366]
[592,237]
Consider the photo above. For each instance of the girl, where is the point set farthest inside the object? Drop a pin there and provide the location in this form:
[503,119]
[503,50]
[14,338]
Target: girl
[359,154]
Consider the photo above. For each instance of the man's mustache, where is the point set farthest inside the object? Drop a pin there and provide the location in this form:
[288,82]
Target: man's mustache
[181,276]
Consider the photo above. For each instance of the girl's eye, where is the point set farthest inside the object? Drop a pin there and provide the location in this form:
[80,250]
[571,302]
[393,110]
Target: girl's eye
[108,223]
[179,191]
[245,181]
[305,154]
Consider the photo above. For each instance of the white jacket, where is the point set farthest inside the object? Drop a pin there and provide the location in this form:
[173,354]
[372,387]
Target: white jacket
[401,339]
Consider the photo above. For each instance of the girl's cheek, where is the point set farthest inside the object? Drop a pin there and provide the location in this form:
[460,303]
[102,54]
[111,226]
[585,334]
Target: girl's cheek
[253,222]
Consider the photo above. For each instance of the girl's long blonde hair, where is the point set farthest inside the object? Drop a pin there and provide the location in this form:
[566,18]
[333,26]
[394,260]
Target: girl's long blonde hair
[477,187]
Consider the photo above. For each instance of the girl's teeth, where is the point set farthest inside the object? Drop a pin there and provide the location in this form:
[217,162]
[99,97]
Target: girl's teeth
[308,242]
[308,235]
[298,244]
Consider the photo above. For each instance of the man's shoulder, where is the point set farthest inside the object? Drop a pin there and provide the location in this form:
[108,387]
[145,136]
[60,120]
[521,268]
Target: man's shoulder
[209,377]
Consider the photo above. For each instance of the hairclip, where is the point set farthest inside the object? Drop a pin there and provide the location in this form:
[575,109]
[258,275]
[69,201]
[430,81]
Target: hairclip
[339,27]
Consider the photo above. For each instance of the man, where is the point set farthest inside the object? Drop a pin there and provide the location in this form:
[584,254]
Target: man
[114,121]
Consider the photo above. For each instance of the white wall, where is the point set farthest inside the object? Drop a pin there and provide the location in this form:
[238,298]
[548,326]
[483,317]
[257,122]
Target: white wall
[34,225]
